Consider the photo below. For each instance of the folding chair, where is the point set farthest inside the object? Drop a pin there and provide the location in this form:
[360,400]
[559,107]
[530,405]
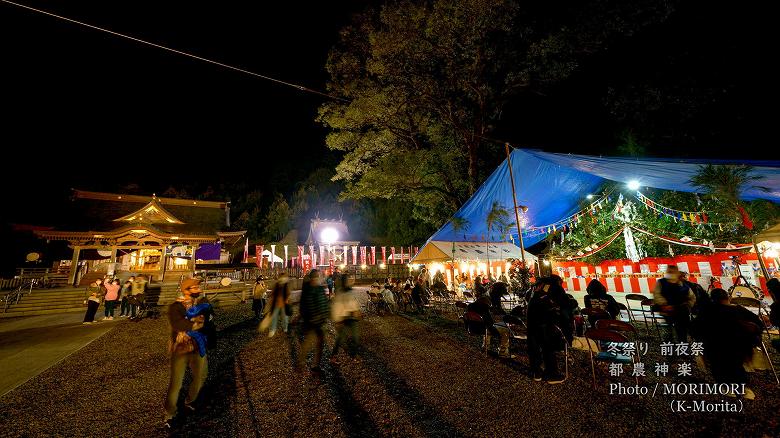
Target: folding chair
[622,308]
[755,328]
[595,315]
[475,326]
[755,306]
[603,335]
[518,330]
[642,300]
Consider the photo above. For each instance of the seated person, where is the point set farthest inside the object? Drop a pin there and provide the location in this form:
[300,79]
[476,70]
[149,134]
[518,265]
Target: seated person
[375,287]
[497,292]
[598,298]
[482,307]
[387,295]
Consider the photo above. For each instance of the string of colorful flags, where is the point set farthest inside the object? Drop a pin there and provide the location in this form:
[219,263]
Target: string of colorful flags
[694,217]
[570,221]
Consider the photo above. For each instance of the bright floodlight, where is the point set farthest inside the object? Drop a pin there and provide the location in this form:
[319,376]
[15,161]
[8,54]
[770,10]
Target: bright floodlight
[589,196]
[633,184]
[329,235]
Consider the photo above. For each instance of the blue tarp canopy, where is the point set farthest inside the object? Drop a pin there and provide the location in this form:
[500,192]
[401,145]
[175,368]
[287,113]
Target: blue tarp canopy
[552,186]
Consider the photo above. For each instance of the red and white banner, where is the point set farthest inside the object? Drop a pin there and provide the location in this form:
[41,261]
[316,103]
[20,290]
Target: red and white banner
[384,256]
[322,255]
[273,256]
[373,255]
[259,256]
[246,250]
[362,255]
[625,276]
[300,255]
[285,256]
[345,255]
[354,255]
[392,254]
[312,256]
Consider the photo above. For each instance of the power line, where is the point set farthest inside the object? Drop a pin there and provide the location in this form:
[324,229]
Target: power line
[179,52]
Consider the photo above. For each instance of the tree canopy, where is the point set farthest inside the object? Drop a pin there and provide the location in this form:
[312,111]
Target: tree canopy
[424,84]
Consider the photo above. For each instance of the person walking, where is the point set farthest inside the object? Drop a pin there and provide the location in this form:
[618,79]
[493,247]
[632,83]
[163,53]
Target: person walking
[94,293]
[189,318]
[673,299]
[110,299]
[124,306]
[258,297]
[345,314]
[314,314]
[280,304]
[331,282]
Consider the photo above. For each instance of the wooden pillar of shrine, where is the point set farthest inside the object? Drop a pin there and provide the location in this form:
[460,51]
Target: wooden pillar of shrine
[74,265]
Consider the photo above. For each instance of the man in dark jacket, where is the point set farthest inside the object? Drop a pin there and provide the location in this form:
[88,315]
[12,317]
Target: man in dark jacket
[673,299]
[314,310]
[185,351]
[548,315]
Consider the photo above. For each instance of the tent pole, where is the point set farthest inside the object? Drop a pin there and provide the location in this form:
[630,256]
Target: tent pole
[514,199]
[761,262]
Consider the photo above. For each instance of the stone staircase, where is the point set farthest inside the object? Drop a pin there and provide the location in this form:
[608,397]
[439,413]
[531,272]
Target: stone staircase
[59,300]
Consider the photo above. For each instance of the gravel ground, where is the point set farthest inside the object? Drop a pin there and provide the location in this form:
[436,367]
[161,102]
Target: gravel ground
[415,376]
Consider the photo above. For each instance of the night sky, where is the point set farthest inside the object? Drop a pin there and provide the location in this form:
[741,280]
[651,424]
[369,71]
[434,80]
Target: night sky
[89,110]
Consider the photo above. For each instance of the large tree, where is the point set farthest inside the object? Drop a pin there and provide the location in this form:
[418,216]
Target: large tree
[423,84]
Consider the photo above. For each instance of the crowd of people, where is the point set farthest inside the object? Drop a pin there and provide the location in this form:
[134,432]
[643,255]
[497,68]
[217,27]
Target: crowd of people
[112,292]
[728,332]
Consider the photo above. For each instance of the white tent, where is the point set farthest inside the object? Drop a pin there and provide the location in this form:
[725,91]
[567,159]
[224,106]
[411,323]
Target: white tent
[441,251]
[267,254]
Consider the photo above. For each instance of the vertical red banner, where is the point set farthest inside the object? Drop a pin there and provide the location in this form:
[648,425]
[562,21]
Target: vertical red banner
[259,256]
[384,256]
[373,255]
[354,255]
[392,254]
[300,255]
[322,255]
[312,256]
[362,255]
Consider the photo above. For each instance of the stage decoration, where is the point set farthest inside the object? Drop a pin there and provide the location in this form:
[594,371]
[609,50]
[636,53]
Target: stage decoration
[285,255]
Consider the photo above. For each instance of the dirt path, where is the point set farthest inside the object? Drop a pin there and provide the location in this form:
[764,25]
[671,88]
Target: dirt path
[416,376]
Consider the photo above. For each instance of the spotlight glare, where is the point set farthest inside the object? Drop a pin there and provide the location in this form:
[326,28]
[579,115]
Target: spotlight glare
[633,184]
